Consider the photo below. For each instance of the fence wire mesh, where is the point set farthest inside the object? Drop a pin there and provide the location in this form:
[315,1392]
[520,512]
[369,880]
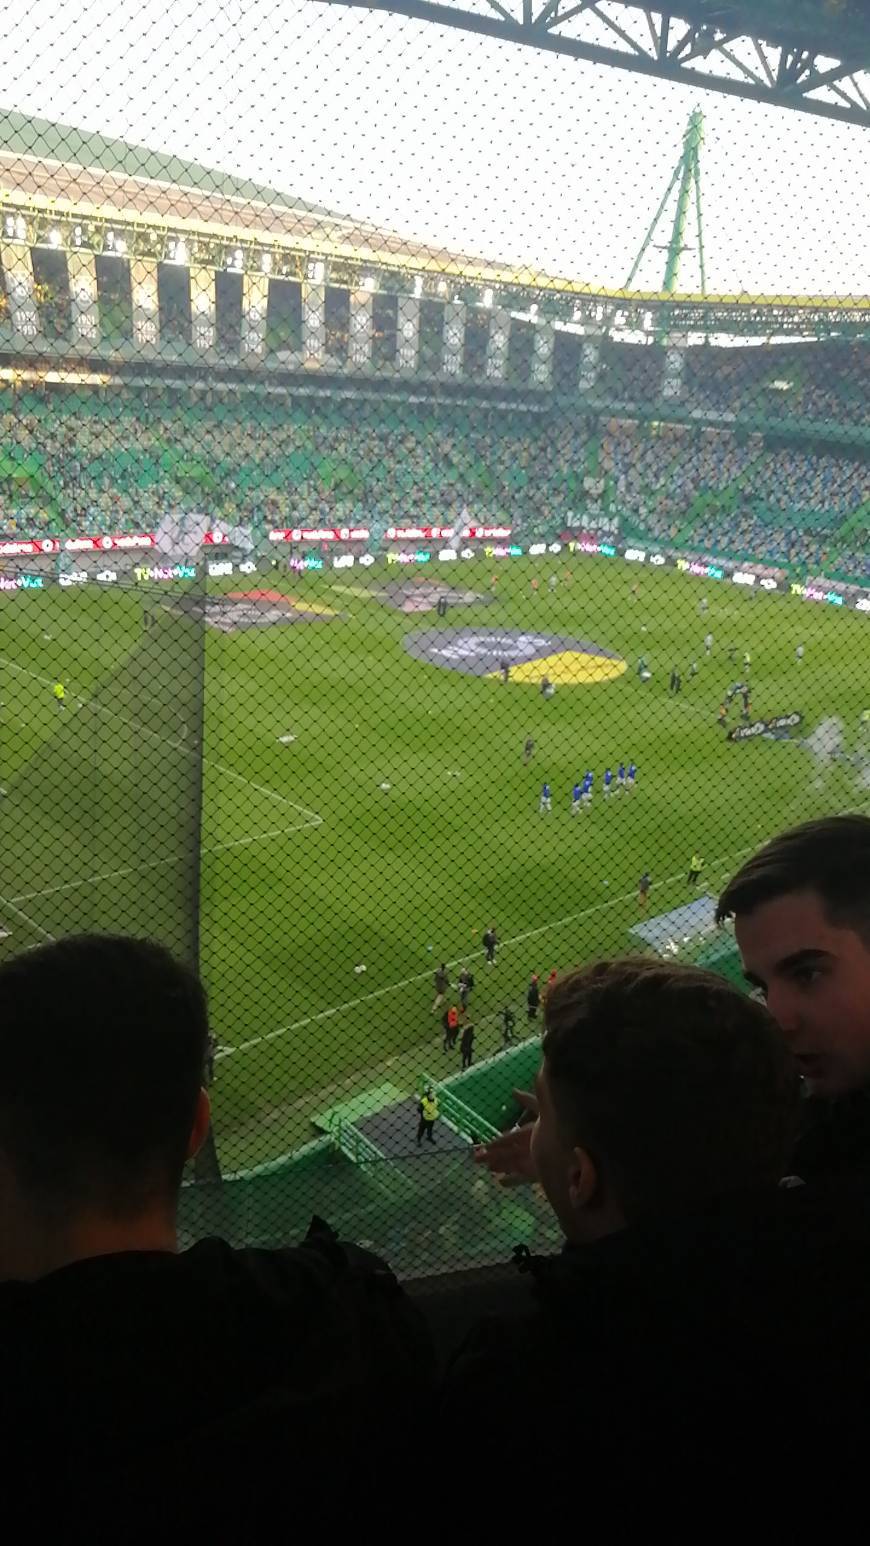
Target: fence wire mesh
[396,605]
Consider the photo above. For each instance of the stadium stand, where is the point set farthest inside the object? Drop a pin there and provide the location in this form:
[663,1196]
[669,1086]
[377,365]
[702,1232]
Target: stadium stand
[75,464]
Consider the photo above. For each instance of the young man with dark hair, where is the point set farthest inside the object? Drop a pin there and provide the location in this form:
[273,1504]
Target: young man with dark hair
[652,1063]
[680,1322]
[117,1347]
[801,911]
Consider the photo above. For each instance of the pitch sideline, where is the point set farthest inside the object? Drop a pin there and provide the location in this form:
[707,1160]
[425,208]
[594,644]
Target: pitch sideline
[516,939]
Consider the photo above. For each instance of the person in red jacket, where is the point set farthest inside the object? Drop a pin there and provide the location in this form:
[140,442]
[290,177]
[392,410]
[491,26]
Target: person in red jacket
[451,1027]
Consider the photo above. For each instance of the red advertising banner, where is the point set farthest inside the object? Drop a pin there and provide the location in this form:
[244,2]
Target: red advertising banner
[33,546]
[321,534]
[478,532]
[418,533]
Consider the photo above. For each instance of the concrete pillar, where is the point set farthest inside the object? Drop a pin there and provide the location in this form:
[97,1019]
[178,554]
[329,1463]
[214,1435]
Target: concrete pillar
[20,289]
[672,371]
[359,344]
[313,323]
[590,360]
[408,330]
[145,304]
[255,300]
[203,309]
[81,269]
[497,344]
[454,338]
[542,355]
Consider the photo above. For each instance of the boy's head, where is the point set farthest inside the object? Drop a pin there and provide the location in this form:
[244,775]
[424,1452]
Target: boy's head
[661,1087]
[102,1048]
[801,910]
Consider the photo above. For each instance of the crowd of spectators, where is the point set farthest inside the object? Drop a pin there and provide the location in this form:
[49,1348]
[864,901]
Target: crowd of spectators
[77,466]
[700,1307]
[827,382]
[713,494]
[123,468]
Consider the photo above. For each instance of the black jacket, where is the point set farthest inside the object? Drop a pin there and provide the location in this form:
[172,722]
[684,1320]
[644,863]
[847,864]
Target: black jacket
[725,1343]
[834,1142]
[243,1371]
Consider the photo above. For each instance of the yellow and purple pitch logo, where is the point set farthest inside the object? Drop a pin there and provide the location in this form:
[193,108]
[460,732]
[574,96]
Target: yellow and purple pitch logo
[530,655]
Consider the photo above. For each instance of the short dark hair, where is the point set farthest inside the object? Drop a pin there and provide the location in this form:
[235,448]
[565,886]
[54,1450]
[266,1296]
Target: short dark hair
[674,1080]
[830,856]
[102,1048]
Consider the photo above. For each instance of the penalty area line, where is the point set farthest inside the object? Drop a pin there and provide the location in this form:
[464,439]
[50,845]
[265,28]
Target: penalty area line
[312,818]
[25,918]
[517,939]
[156,864]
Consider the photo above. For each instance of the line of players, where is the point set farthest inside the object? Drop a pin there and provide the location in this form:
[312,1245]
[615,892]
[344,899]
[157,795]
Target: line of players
[624,781]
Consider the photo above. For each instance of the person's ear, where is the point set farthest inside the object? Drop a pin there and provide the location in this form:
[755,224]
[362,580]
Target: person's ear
[201,1120]
[584,1181]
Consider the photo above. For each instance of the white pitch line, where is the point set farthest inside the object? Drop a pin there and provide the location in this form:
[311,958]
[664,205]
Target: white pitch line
[314,820]
[31,922]
[517,939]
[156,864]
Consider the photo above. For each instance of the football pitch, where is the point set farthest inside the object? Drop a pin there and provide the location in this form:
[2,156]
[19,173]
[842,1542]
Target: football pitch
[302,793]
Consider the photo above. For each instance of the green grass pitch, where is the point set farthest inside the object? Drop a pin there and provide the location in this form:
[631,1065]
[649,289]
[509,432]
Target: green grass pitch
[308,868]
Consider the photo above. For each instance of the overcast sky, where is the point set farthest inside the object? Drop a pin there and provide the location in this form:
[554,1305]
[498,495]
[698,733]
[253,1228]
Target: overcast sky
[432,132]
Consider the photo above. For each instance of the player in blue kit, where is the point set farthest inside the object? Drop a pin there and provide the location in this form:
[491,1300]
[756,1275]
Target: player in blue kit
[546,799]
[632,775]
[608,783]
[620,776]
[586,791]
[575,799]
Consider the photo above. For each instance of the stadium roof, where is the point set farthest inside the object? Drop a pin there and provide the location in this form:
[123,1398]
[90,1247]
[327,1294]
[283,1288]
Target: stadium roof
[809,55]
[53,162]
[35,139]
[61,174]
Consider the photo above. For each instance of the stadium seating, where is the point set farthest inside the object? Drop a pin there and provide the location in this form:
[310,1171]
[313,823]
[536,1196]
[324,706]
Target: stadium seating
[713,494]
[120,464]
[87,463]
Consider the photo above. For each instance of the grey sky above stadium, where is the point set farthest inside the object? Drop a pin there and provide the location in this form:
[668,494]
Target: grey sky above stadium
[450,138]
